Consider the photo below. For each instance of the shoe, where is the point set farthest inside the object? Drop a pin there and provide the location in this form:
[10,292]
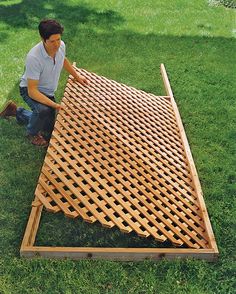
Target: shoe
[8,110]
[38,140]
[46,136]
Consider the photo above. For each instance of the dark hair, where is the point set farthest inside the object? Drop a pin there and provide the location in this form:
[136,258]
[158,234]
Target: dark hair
[48,27]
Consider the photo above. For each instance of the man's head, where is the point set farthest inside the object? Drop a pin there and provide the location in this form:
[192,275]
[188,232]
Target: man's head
[48,27]
[50,31]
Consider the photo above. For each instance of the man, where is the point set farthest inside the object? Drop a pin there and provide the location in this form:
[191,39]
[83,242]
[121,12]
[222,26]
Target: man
[39,82]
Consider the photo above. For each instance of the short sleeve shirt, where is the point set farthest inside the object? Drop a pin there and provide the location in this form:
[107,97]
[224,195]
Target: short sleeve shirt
[42,67]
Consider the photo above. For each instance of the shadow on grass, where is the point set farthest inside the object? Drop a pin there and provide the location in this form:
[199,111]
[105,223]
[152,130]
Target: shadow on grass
[28,13]
[86,235]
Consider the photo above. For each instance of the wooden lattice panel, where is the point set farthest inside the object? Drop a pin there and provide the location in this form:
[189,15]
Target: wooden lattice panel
[117,156]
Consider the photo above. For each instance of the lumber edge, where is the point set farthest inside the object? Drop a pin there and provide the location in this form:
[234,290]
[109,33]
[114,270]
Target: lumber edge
[193,170]
[31,227]
[119,254]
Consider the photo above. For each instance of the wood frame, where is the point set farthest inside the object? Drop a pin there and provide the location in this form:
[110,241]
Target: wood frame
[28,249]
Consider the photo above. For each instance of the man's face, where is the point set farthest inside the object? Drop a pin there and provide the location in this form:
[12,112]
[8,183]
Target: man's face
[53,43]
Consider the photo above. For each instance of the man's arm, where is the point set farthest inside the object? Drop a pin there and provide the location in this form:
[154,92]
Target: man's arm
[39,97]
[69,68]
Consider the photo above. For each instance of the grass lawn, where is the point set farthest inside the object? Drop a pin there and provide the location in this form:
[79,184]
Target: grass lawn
[125,41]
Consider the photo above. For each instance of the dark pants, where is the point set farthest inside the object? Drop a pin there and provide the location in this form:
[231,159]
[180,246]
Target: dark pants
[40,119]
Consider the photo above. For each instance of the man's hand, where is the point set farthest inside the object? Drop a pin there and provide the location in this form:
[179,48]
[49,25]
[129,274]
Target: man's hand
[78,78]
[58,107]
[82,80]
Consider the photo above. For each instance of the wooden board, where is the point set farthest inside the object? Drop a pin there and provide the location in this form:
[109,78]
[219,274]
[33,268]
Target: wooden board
[120,156]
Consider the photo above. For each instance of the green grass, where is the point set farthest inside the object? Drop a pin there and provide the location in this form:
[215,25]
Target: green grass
[125,41]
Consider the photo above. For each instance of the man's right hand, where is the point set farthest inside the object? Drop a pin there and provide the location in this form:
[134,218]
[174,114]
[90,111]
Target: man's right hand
[40,97]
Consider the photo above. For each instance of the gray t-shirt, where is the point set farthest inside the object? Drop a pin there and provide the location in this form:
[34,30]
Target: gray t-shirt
[40,66]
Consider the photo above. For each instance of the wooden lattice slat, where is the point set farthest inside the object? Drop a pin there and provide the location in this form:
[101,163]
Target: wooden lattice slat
[116,156]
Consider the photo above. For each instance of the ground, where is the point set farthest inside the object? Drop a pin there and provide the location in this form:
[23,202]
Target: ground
[125,41]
